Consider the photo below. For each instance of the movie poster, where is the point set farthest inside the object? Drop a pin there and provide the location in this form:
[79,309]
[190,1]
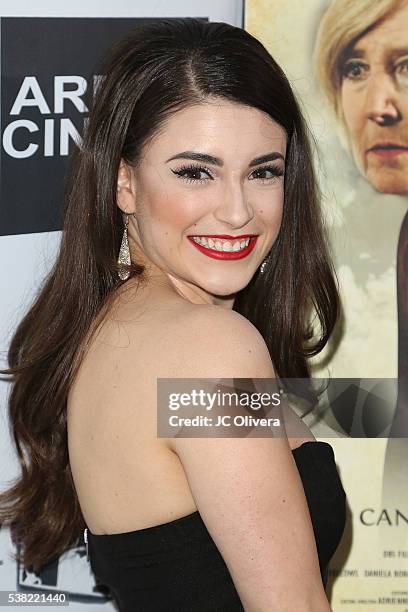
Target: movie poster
[348,64]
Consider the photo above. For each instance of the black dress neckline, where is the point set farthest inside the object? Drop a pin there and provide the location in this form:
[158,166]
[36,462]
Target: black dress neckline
[112,537]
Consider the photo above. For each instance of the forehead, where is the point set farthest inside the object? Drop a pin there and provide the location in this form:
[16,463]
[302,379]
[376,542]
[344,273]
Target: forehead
[390,34]
[223,126]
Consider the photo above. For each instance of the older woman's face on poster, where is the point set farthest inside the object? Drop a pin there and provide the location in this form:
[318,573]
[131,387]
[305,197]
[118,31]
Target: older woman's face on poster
[374,98]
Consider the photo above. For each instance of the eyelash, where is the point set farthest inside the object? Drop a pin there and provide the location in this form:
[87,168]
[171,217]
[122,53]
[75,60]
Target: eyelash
[353,65]
[362,66]
[277,172]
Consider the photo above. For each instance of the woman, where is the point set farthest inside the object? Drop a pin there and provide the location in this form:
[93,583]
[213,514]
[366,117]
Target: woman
[361,63]
[194,132]
[361,59]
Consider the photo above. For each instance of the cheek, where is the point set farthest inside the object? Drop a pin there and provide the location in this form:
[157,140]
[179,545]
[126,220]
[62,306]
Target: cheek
[351,103]
[271,211]
[178,209]
[404,124]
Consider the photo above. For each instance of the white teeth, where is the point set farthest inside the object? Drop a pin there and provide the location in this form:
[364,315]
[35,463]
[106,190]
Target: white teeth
[222,245]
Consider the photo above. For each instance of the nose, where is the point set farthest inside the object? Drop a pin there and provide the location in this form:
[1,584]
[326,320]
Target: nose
[233,209]
[382,99]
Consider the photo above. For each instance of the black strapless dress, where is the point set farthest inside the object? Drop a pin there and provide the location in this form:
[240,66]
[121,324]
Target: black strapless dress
[176,566]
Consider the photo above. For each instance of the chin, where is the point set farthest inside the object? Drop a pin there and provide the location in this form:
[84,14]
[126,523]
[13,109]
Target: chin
[224,289]
[395,185]
[391,177]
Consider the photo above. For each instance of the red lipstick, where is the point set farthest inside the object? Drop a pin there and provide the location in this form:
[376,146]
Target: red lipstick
[225,254]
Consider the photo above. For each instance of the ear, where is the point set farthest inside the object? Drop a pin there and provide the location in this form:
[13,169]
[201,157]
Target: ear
[126,188]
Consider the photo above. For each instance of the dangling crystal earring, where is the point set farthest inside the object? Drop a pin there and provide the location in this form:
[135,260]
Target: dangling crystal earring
[263,265]
[124,254]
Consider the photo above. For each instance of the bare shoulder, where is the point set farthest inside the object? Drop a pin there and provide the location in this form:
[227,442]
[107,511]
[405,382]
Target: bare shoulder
[210,341]
[247,490]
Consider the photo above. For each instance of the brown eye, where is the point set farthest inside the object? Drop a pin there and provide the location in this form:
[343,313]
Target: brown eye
[191,174]
[267,173]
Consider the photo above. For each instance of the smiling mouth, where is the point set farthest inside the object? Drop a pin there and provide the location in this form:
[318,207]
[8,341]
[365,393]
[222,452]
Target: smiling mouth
[224,248]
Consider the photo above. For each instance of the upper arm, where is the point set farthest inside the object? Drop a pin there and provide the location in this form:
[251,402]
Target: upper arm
[206,332]
[247,490]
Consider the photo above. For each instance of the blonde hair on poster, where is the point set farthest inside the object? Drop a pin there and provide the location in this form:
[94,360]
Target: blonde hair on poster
[343,23]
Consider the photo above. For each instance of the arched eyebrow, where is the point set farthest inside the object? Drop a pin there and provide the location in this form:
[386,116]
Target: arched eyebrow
[350,52]
[391,53]
[266,158]
[397,52]
[216,161]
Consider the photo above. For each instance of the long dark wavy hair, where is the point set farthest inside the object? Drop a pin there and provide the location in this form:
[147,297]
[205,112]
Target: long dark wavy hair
[153,72]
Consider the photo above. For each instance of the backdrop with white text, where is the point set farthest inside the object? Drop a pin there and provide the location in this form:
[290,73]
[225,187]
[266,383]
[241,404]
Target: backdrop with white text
[48,53]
